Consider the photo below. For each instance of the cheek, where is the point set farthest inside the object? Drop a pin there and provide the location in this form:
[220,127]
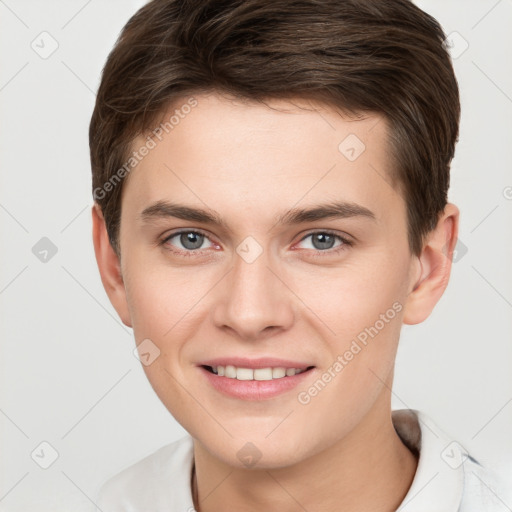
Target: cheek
[158,300]
[348,301]
[163,311]
[166,307]
[358,309]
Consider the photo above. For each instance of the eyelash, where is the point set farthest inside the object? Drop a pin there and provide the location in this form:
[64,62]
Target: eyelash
[315,252]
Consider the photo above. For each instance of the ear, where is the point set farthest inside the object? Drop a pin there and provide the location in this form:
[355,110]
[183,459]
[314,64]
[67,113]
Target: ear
[109,266]
[435,263]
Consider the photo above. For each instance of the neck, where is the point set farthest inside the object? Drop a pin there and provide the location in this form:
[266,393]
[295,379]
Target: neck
[370,469]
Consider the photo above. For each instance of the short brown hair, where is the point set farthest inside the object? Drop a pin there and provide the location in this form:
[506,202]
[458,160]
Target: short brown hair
[387,57]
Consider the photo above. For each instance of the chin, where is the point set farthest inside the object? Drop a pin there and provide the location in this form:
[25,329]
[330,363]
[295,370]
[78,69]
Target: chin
[259,453]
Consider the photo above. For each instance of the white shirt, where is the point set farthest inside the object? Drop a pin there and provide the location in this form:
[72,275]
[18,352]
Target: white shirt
[447,479]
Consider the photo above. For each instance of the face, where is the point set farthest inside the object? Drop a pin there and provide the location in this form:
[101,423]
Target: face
[259,286]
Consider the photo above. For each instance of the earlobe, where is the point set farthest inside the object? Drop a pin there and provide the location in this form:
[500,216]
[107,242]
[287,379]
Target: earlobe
[109,266]
[435,263]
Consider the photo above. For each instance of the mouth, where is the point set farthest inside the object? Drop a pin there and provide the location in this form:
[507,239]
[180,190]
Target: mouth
[257,374]
[251,380]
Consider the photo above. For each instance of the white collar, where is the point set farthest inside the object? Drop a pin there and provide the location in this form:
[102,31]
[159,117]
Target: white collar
[439,480]
[161,482]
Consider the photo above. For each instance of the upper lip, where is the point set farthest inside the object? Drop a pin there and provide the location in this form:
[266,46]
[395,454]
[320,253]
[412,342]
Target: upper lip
[260,362]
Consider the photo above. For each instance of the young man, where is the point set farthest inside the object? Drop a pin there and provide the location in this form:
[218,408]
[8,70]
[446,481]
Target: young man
[271,206]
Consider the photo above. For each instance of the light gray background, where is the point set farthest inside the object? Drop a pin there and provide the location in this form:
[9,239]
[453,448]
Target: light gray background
[67,372]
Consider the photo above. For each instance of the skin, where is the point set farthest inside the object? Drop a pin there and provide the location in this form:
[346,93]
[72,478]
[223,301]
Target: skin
[251,163]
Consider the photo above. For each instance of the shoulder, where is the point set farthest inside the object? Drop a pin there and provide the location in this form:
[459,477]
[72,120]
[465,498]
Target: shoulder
[484,489]
[158,482]
[448,477]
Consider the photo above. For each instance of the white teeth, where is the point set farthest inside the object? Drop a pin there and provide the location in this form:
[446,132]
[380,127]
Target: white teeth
[277,373]
[263,374]
[244,374]
[232,372]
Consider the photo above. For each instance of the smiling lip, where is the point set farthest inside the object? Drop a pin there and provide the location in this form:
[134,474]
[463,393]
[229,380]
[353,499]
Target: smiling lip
[261,362]
[254,389]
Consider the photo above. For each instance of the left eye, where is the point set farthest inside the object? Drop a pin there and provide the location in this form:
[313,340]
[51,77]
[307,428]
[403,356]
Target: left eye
[322,241]
[190,240]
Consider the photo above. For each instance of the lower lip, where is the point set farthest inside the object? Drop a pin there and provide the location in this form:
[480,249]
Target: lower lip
[253,389]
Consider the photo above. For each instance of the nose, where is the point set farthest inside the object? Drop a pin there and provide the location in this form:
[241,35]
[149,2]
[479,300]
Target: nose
[254,301]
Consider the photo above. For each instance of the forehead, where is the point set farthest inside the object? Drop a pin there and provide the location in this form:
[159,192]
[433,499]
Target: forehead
[235,155]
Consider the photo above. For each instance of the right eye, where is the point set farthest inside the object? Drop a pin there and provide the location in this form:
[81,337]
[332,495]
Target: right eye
[190,241]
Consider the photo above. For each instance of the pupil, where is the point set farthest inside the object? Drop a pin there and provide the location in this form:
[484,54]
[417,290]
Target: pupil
[324,241]
[191,240]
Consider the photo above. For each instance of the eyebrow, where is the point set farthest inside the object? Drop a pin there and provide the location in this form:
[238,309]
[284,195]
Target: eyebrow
[333,210]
